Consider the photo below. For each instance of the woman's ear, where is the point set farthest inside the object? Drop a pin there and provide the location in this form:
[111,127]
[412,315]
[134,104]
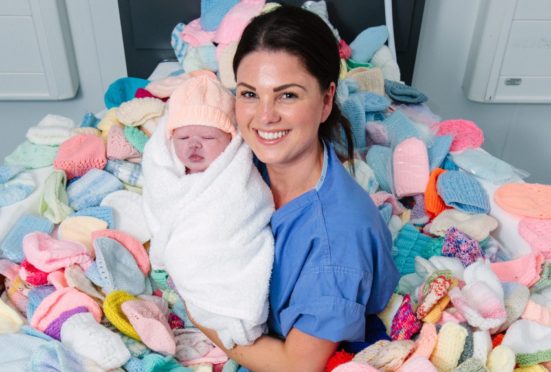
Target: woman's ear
[328,97]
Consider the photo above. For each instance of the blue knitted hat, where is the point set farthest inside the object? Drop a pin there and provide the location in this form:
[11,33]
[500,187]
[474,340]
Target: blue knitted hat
[353,110]
[15,184]
[374,102]
[179,46]
[93,275]
[35,296]
[399,128]
[103,213]
[386,212]
[378,158]
[12,245]
[134,365]
[484,165]
[90,189]
[117,267]
[438,150]
[462,191]
[212,12]
[409,244]
[89,120]
[126,171]
[448,164]
[368,42]
[403,93]
[122,90]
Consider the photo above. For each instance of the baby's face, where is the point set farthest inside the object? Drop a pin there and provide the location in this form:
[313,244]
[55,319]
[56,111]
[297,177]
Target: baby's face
[198,145]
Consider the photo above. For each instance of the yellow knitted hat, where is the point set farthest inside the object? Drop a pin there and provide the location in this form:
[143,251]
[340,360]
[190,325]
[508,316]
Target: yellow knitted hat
[80,229]
[502,358]
[449,346]
[112,310]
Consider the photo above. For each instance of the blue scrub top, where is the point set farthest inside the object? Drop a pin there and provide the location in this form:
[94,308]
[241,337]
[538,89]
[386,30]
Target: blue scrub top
[332,264]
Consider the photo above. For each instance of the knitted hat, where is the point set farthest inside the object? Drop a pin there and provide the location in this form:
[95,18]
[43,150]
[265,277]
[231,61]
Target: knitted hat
[49,254]
[368,79]
[538,310]
[136,137]
[339,357]
[79,154]
[403,93]
[363,175]
[89,120]
[476,226]
[129,216]
[17,293]
[391,308]
[194,35]
[134,246]
[236,19]
[447,263]
[179,46]
[433,202]
[113,312]
[54,328]
[468,348]
[92,188]
[437,312]
[352,366]
[425,343]
[378,158]
[449,346]
[433,290]
[127,172]
[481,164]
[383,197]
[108,121]
[151,325]
[36,296]
[201,57]
[353,109]
[471,365]
[416,364]
[537,233]
[385,355]
[74,276]
[525,199]
[30,155]
[118,147]
[11,247]
[101,213]
[51,130]
[376,133]
[530,341]
[225,54]
[320,9]
[524,270]
[409,244]
[15,184]
[80,229]
[410,167]
[438,150]
[466,134]
[516,299]
[10,320]
[418,213]
[62,300]
[458,244]
[201,100]
[123,90]
[213,11]
[545,278]
[399,128]
[117,267]
[139,110]
[54,200]
[367,42]
[31,275]
[462,191]
[84,335]
[405,324]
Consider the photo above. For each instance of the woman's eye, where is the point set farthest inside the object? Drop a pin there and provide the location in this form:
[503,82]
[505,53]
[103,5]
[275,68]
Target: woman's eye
[288,95]
[247,94]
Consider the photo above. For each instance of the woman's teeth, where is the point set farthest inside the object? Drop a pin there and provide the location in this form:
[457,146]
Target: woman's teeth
[272,135]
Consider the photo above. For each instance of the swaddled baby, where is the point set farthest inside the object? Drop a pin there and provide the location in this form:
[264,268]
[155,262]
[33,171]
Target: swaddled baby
[209,211]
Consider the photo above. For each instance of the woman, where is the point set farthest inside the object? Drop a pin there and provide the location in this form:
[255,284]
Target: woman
[332,264]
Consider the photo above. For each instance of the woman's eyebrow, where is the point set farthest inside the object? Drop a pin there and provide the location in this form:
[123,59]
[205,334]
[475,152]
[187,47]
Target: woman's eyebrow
[246,86]
[286,86]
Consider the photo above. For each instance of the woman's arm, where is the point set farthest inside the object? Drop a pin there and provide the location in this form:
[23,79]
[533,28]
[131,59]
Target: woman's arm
[299,352]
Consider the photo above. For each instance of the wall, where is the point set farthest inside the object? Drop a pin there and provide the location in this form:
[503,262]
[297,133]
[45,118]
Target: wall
[97,39]
[517,133]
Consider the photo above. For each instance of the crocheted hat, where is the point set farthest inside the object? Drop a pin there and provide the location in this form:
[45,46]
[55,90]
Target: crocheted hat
[79,154]
[133,245]
[62,300]
[92,188]
[117,267]
[466,134]
[462,191]
[113,312]
[537,233]
[51,130]
[410,167]
[118,147]
[476,226]
[405,324]
[449,346]
[433,202]
[458,244]
[525,199]
[152,326]
[11,247]
[530,341]
[79,229]
[129,216]
[201,100]
[139,110]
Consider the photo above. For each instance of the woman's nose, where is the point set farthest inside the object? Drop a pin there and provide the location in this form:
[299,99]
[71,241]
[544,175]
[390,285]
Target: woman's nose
[268,112]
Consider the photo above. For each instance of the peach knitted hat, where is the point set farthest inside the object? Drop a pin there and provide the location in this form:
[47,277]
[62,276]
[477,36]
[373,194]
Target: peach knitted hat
[525,199]
[201,100]
[79,154]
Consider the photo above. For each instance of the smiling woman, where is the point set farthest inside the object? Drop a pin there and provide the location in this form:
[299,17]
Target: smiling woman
[332,264]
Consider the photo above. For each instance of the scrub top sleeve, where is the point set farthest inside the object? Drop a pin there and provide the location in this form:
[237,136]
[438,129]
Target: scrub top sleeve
[325,304]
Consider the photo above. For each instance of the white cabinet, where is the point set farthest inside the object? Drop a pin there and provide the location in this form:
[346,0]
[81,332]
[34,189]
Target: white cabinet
[37,60]
[510,56]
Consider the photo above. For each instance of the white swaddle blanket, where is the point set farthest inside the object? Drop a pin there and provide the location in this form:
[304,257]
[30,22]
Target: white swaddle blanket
[211,234]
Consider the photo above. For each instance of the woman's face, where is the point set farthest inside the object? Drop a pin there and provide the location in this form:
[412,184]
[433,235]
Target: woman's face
[279,107]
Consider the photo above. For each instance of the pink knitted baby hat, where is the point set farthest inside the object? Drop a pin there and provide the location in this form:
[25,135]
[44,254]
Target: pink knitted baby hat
[118,146]
[525,199]
[79,154]
[466,134]
[537,233]
[410,167]
[201,100]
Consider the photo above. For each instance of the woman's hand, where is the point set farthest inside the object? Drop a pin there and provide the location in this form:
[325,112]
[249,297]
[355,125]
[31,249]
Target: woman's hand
[299,352]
